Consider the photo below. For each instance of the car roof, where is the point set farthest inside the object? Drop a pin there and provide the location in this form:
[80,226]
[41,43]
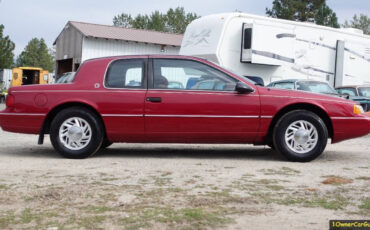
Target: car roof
[148,56]
[352,86]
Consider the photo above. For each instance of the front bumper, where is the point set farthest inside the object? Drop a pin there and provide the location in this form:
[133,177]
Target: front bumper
[350,127]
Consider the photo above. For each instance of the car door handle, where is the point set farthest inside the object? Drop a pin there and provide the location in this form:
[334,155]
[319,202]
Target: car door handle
[154,99]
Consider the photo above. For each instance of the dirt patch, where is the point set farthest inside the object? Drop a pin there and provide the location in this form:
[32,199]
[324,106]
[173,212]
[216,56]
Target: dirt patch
[335,180]
[135,186]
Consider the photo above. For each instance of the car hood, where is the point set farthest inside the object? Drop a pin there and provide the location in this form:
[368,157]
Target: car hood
[359,98]
[298,93]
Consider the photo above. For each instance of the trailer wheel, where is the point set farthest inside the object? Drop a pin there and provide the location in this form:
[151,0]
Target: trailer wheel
[300,135]
[76,133]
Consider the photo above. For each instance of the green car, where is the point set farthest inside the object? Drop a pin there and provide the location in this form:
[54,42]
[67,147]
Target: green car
[360,94]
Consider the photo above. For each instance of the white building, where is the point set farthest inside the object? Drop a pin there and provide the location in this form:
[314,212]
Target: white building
[80,41]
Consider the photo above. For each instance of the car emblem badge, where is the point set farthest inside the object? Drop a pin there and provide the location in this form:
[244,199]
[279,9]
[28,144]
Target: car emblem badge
[97,85]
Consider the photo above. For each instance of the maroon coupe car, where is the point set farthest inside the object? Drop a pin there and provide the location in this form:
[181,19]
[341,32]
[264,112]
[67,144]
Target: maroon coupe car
[177,99]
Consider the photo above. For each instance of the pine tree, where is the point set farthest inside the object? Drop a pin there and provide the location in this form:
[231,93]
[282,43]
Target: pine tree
[362,23]
[36,54]
[304,11]
[6,50]
[174,21]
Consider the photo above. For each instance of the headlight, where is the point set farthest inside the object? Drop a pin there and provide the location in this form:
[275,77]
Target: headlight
[357,109]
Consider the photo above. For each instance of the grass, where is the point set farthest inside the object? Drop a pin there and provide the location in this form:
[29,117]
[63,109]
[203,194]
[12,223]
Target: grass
[196,218]
[97,209]
[363,178]
[4,187]
[286,171]
[9,219]
[91,222]
[365,204]
[164,174]
[27,216]
[6,219]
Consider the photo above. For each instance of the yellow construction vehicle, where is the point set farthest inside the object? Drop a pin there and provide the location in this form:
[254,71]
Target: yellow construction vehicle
[29,76]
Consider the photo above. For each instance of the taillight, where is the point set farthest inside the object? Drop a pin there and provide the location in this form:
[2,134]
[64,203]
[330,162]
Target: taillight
[10,100]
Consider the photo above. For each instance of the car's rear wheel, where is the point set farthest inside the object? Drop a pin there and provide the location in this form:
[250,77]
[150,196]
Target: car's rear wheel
[76,133]
[106,143]
[300,135]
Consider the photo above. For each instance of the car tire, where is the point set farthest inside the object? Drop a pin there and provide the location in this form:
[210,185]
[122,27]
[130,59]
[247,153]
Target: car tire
[300,136]
[76,133]
[106,143]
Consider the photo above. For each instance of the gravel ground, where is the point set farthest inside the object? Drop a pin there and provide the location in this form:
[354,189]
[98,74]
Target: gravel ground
[157,186]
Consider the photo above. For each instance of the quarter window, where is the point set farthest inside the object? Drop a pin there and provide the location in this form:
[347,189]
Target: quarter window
[190,75]
[125,74]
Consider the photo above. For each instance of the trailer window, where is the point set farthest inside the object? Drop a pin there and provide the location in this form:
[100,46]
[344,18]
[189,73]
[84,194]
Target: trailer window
[248,38]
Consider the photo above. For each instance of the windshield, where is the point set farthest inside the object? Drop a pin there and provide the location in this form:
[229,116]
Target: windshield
[66,78]
[364,91]
[316,87]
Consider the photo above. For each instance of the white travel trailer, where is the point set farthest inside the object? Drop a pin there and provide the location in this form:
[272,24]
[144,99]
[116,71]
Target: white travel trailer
[276,49]
[5,78]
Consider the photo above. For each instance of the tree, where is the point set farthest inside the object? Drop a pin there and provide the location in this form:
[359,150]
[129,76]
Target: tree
[326,17]
[305,11]
[123,20]
[362,23]
[174,21]
[36,54]
[6,50]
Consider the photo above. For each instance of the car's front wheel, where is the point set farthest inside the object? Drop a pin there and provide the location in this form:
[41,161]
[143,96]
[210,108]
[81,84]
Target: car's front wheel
[300,135]
[76,133]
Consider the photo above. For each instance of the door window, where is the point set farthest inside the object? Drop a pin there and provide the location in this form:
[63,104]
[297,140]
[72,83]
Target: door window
[190,75]
[125,74]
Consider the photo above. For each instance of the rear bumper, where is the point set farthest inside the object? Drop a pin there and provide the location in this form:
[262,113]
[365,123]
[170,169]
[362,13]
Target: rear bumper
[350,127]
[29,123]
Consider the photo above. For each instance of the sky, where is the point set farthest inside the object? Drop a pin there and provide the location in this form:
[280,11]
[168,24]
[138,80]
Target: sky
[27,19]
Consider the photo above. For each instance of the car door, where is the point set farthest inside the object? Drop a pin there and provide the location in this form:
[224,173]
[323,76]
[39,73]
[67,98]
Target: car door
[122,104]
[203,108]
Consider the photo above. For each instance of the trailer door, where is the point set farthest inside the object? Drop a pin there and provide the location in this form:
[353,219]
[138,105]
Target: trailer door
[268,43]
[17,77]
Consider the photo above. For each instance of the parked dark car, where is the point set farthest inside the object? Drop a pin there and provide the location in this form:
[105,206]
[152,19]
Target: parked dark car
[360,94]
[305,85]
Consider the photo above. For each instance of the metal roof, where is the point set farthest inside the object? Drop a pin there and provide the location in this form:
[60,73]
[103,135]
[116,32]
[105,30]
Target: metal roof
[126,34]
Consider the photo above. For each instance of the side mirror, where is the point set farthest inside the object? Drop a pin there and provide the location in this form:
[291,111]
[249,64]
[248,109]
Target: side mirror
[243,88]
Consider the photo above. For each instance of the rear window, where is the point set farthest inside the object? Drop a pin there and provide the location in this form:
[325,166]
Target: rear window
[66,78]
[125,74]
